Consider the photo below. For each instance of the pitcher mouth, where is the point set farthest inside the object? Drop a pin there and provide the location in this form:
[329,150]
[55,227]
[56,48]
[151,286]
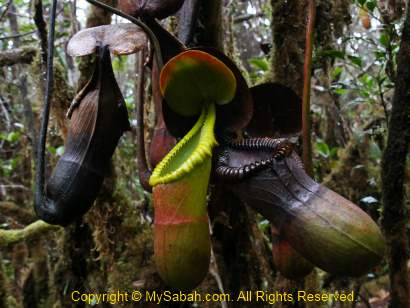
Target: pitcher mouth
[190,152]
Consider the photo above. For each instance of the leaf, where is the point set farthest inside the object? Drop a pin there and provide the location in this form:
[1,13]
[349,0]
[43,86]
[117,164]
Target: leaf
[122,39]
[260,63]
[340,91]
[155,8]
[356,60]
[323,149]
[332,53]
[371,5]
[194,78]
[385,39]
[337,71]
[13,137]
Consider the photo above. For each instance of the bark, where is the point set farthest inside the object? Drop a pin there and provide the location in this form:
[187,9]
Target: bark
[333,127]
[395,212]
[289,20]
[17,56]
[288,29]
[23,86]
[41,28]
[201,23]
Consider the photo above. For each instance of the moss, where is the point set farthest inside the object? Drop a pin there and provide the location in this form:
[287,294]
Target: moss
[62,94]
[288,28]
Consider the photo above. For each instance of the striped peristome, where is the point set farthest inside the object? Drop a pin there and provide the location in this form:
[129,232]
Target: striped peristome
[280,148]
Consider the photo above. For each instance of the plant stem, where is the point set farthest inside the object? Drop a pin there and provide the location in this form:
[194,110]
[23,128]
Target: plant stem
[34,230]
[306,120]
[39,193]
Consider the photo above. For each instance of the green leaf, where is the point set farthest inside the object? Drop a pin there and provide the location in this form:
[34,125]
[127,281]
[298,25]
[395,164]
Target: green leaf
[340,91]
[13,137]
[264,225]
[375,152]
[52,150]
[356,61]
[385,39]
[371,5]
[260,64]
[323,149]
[332,53]
[337,72]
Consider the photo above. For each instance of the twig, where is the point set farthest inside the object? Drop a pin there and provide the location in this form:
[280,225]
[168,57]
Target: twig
[247,17]
[19,15]
[306,125]
[383,102]
[16,35]
[17,56]
[6,113]
[5,10]
[32,231]
[15,187]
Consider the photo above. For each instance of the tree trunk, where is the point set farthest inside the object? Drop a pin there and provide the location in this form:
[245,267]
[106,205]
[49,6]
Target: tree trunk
[289,39]
[289,21]
[395,213]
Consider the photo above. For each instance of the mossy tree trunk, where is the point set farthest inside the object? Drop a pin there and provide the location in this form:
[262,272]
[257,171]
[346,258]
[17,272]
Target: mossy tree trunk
[289,39]
[395,211]
[287,63]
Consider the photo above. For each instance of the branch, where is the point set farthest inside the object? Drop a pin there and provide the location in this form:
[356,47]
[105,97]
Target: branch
[247,17]
[16,36]
[41,28]
[31,232]
[17,56]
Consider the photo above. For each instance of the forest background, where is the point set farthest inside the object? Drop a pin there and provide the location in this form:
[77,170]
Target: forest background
[356,61]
